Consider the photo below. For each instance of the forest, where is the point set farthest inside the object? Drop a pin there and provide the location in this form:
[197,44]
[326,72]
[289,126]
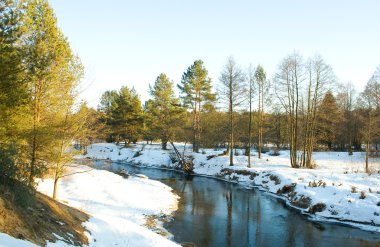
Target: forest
[303,108]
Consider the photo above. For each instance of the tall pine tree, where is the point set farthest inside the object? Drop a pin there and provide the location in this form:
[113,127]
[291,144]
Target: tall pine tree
[196,95]
[52,73]
[164,110]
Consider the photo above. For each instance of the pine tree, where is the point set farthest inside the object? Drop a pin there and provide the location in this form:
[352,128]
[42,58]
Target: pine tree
[196,95]
[107,103]
[127,115]
[13,95]
[328,117]
[164,110]
[52,73]
[13,90]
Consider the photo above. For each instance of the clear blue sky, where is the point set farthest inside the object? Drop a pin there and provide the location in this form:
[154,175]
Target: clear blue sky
[124,42]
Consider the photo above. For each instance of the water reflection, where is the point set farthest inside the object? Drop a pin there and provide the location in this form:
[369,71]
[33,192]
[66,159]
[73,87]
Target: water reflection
[215,213]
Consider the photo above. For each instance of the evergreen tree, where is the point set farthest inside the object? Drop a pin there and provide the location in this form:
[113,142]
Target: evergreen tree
[13,90]
[196,95]
[328,117]
[164,110]
[107,103]
[127,115]
[52,73]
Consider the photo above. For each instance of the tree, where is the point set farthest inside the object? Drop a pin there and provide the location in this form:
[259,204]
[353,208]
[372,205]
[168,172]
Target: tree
[369,102]
[232,92]
[345,101]
[196,95]
[328,117]
[67,129]
[105,108]
[52,72]
[319,77]
[251,81]
[262,86]
[127,115]
[164,110]
[288,81]
[13,90]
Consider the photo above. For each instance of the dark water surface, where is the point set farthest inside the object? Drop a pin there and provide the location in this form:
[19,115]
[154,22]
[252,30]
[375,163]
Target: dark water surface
[216,213]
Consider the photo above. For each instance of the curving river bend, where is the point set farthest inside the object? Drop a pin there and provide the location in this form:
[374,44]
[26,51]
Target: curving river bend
[216,214]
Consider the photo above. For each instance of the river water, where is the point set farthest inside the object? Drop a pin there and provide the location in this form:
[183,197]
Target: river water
[216,213]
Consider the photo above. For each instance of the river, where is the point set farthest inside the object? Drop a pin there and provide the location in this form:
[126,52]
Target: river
[216,214]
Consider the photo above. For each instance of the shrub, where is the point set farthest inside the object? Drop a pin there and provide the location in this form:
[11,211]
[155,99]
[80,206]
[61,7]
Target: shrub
[276,179]
[319,207]
[320,183]
[353,189]
[362,195]
[274,152]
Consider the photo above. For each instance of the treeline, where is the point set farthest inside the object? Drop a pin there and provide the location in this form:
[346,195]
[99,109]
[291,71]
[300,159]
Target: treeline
[39,75]
[303,108]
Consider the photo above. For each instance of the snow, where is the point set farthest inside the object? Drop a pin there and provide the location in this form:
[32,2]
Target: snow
[117,206]
[7,241]
[339,180]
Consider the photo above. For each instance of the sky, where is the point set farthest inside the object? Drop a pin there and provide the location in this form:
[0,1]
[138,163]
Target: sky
[129,43]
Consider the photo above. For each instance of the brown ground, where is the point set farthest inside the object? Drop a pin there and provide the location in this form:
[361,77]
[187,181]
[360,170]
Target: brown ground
[38,222]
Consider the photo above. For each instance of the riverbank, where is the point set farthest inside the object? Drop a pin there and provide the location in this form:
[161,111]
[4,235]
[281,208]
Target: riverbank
[119,208]
[38,220]
[123,212]
[337,190]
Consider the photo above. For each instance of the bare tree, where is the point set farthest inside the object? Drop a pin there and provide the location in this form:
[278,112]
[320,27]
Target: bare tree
[232,91]
[369,102]
[345,100]
[262,86]
[288,81]
[319,77]
[251,81]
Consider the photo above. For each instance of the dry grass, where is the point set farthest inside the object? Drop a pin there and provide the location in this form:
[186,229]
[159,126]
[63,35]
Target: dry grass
[41,219]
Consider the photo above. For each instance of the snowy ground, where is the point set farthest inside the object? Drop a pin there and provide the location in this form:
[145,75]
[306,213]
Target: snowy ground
[117,207]
[337,190]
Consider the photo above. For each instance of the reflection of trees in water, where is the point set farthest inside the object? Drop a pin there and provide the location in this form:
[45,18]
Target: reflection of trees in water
[203,210]
[258,222]
[228,197]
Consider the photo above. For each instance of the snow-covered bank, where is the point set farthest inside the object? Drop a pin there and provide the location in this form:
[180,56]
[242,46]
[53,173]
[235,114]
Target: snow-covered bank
[6,241]
[118,207]
[338,190]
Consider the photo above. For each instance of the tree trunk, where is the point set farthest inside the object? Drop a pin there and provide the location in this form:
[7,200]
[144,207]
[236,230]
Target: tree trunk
[195,148]
[231,124]
[249,134]
[366,157]
[164,145]
[55,187]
